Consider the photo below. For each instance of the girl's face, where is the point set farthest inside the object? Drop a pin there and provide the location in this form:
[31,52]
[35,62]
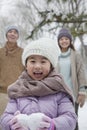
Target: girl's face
[64,43]
[12,36]
[38,67]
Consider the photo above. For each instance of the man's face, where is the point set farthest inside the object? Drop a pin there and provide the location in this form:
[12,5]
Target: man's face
[12,36]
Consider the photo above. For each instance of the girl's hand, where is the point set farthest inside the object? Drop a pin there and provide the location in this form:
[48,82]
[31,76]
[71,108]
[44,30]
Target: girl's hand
[46,124]
[15,125]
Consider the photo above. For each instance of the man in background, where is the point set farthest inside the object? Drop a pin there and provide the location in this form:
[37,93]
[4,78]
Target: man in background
[10,63]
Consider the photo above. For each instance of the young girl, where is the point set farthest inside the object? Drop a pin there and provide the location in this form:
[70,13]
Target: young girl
[40,89]
[72,68]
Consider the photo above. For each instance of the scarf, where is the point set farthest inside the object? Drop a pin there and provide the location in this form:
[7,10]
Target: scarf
[26,86]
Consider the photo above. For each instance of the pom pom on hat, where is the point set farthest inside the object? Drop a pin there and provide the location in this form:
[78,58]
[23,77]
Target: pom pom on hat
[46,47]
[11,28]
[64,32]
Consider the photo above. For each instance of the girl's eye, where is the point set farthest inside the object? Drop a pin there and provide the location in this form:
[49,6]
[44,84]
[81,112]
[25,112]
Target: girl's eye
[43,61]
[32,61]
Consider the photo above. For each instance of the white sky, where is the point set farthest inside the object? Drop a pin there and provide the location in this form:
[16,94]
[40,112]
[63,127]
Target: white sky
[7,6]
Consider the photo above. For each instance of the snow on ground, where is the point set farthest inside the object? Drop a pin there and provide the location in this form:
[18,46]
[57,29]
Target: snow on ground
[82,117]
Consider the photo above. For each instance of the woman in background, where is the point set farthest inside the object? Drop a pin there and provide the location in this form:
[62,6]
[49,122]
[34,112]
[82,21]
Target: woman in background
[71,66]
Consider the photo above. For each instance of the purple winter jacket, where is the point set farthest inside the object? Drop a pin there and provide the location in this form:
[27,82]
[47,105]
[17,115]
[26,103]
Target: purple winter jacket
[58,107]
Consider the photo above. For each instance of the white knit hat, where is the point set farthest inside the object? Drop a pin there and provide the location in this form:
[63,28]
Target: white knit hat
[46,47]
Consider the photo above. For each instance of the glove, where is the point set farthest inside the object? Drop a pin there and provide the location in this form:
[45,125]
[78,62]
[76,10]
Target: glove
[81,99]
[31,121]
[35,121]
[46,123]
[15,124]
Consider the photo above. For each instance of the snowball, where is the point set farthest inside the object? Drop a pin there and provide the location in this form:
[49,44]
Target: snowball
[31,121]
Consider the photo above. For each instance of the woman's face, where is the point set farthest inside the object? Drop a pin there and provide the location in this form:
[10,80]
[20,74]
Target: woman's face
[64,43]
[38,67]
